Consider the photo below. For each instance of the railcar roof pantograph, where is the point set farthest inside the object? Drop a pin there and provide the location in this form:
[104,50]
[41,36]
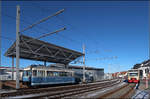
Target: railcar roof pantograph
[34,49]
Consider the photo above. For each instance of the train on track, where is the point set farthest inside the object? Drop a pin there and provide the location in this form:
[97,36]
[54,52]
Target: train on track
[42,75]
[133,76]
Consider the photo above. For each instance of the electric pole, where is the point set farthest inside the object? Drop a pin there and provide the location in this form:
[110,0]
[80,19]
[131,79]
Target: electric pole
[0,28]
[17,47]
[149,30]
[83,63]
[149,49]
[12,68]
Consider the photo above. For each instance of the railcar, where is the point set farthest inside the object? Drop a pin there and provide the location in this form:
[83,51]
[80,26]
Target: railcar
[42,75]
[133,76]
[88,78]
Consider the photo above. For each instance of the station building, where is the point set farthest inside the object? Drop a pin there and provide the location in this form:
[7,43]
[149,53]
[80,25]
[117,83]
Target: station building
[97,73]
[9,73]
[144,68]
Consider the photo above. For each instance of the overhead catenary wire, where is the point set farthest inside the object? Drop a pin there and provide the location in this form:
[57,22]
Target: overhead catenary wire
[47,10]
[95,52]
[105,58]
[24,21]
[61,35]
[44,35]
[44,28]
[75,40]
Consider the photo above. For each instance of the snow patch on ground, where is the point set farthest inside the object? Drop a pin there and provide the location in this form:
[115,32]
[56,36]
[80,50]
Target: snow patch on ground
[141,94]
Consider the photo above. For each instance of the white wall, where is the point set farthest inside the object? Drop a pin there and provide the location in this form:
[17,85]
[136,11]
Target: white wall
[143,69]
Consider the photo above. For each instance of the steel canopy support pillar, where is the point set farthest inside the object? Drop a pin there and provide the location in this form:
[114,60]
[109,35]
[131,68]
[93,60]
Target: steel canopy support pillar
[149,40]
[17,47]
[66,66]
[12,68]
[83,63]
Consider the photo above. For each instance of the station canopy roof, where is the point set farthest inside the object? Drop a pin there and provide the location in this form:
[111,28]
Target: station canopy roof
[34,49]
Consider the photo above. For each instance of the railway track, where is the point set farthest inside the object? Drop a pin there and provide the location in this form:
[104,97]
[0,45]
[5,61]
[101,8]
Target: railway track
[59,92]
[12,84]
[125,91]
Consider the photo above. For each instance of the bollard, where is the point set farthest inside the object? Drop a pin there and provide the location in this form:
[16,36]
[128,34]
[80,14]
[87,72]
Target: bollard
[146,83]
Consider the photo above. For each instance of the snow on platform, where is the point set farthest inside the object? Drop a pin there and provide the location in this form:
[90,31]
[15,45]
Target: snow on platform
[141,94]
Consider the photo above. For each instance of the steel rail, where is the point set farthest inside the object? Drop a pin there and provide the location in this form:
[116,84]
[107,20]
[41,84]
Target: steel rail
[117,92]
[69,92]
[50,89]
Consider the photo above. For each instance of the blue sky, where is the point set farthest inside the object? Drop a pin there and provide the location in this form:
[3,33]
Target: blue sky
[107,29]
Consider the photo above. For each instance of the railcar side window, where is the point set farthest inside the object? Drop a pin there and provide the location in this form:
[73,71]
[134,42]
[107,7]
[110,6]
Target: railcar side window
[65,73]
[69,74]
[60,73]
[56,74]
[41,73]
[26,73]
[34,72]
[49,73]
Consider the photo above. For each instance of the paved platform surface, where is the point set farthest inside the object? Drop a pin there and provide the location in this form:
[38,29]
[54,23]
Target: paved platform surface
[142,92]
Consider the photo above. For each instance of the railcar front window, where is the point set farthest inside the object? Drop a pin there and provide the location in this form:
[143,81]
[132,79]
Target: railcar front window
[133,74]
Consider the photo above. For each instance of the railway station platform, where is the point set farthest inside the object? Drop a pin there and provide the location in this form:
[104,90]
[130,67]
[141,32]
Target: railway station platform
[142,92]
[10,84]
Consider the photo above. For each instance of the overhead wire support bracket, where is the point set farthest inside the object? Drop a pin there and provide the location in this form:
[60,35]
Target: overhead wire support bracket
[47,34]
[42,20]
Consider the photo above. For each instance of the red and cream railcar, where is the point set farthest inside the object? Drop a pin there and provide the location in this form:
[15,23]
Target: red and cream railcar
[133,76]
